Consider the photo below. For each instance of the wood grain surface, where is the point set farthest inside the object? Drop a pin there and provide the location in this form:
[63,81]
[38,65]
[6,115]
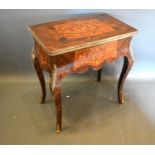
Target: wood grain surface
[81,32]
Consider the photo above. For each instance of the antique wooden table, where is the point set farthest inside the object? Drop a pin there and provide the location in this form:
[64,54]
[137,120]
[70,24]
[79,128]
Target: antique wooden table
[74,45]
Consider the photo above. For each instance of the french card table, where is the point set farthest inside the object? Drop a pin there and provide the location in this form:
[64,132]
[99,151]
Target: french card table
[73,45]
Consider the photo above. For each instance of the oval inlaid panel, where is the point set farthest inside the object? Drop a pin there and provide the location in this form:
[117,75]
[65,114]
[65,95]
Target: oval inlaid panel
[83,28]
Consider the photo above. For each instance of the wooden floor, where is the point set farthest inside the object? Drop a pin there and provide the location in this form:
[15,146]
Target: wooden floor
[91,113]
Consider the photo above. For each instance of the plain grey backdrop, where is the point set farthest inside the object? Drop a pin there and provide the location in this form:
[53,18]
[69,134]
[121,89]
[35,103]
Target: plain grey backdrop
[16,41]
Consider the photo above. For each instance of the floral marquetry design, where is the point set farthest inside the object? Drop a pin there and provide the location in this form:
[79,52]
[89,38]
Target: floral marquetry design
[80,32]
[75,30]
[95,56]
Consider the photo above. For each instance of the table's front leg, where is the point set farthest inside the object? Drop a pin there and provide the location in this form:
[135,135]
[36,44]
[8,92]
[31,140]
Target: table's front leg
[55,81]
[40,76]
[128,62]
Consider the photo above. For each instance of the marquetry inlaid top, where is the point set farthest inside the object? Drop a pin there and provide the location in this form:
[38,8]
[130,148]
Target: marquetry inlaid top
[81,32]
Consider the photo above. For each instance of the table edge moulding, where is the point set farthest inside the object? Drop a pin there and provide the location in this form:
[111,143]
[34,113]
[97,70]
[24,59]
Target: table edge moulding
[76,44]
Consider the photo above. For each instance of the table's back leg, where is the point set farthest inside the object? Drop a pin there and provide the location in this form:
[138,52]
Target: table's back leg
[128,62]
[99,74]
[40,76]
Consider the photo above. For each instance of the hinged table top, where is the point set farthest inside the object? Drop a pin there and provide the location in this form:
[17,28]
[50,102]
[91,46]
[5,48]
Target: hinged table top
[76,33]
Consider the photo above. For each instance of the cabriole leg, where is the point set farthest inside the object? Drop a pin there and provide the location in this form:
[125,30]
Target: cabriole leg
[56,92]
[128,62]
[40,76]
